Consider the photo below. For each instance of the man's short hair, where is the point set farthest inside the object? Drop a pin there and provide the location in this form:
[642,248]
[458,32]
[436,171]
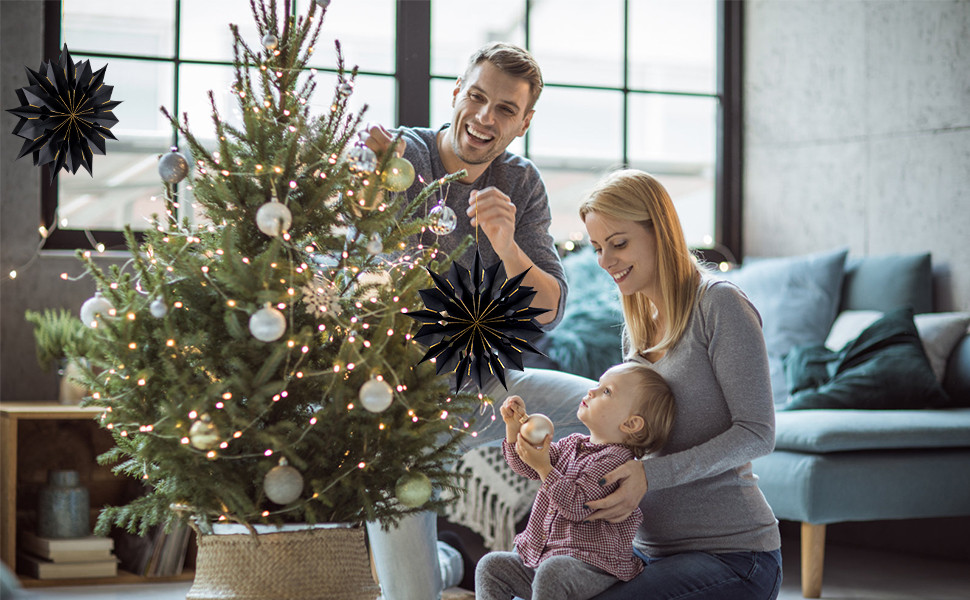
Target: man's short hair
[513,60]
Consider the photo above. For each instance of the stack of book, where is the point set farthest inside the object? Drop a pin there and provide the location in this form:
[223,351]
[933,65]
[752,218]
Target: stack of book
[69,558]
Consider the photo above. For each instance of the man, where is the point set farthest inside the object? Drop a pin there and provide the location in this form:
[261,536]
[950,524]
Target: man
[502,196]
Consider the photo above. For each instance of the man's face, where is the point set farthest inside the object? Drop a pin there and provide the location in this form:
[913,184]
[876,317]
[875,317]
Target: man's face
[490,111]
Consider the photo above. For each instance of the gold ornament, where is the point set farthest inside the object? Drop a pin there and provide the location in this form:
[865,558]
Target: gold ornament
[398,175]
[413,489]
[535,428]
[204,434]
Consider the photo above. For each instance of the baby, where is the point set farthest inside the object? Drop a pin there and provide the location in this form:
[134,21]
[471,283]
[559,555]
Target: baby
[561,555]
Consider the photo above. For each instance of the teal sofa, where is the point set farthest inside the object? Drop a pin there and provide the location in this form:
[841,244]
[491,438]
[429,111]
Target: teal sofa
[829,465]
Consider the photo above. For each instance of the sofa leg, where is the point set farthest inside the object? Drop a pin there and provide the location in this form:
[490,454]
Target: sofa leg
[813,557]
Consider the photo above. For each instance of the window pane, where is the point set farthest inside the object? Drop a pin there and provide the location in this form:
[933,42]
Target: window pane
[578,42]
[377,92]
[566,189]
[108,26]
[454,36]
[577,127]
[675,139]
[126,177]
[672,45]
[205,33]
[366,30]
[195,82]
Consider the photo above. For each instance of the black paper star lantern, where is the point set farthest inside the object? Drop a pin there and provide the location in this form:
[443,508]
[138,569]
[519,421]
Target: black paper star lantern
[65,114]
[474,321]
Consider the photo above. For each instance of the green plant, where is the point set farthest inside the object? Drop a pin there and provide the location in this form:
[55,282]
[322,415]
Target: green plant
[59,336]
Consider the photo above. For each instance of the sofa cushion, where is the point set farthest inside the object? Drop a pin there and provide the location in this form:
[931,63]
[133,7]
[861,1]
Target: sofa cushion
[939,333]
[885,367]
[888,282]
[797,298]
[839,430]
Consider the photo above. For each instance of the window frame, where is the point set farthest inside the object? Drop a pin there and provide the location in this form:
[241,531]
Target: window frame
[413,77]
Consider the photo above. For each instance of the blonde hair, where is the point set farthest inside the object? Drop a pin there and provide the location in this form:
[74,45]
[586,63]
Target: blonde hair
[633,195]
[512,60]
[654,403]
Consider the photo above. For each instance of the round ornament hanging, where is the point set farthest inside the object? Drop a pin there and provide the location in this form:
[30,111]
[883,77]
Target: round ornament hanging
[413,489]
[443,219]
[375,395]
[375,245]
[274,218]
[267,324]
[270,42]
[283,484]
[362,159]
[398,175]
[158,308]
[173,167]
[95,310]
[204,434]
[535,428]
[65,114]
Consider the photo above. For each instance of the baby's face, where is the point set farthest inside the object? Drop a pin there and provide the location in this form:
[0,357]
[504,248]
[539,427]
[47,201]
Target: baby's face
[608,405]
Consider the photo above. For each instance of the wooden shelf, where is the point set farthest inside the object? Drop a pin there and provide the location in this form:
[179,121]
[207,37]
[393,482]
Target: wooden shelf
[120,578]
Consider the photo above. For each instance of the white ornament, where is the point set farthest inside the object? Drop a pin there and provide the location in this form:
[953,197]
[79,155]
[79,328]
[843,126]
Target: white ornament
[204,434]
[267,324]
[375,246]
[535,428]
[321,296]
[270,42]
[362,158]
[443,219]
[273,218]
[158,308]
[413,490]
[95,310]
[375,395]
[283,484]
[173,167]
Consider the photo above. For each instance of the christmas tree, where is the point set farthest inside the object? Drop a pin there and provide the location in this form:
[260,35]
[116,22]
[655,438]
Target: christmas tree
[260,367]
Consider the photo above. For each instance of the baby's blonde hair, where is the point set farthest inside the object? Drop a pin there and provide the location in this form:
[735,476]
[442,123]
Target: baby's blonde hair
[654,403]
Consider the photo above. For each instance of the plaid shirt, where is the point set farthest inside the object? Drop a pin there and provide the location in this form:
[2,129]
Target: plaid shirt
[557,523]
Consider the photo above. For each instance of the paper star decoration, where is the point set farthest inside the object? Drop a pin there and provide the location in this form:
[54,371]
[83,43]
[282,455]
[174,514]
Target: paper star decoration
[65,114]
[474,321]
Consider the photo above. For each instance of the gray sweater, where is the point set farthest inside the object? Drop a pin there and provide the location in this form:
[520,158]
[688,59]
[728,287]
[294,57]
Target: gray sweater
[517,178]
[702,493]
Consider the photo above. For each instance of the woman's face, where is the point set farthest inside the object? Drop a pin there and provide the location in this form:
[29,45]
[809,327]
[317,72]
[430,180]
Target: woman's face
[627,250]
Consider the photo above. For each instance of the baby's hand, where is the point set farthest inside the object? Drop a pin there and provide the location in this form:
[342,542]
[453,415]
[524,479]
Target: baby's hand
[512,410]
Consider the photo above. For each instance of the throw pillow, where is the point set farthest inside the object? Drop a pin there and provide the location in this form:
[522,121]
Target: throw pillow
[939,333]
[587,340]
[884,368]
[888,282]
[797,298]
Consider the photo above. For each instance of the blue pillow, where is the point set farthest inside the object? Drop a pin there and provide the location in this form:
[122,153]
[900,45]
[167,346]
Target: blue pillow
[888,282]
[798,299]
[884,368]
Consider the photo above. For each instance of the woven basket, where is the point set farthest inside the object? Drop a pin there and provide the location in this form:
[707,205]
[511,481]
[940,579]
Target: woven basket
[320,563]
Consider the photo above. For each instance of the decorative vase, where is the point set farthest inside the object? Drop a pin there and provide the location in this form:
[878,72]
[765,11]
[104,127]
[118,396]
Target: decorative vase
[63,507]
[406,557]
[297,562]
[70,392]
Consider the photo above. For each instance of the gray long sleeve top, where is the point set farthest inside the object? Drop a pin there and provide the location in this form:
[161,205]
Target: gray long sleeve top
[516,177]
[702,494]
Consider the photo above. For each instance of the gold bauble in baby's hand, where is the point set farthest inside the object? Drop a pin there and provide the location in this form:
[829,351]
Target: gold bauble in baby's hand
[535,428]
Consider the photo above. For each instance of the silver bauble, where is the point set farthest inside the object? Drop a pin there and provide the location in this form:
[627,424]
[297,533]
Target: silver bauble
[95,310]
[535,428]
[375,245]
[273,218]
[362,158]
[204,434]
[158,308]
[283,484]
[173,167]
[270,42]
[375,395]
[443,219]
[267,324]
[413,489]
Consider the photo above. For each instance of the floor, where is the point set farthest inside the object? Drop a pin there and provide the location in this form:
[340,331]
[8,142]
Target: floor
[850,574]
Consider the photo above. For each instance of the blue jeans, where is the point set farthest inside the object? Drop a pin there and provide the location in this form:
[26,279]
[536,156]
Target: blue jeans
[406,557]
[704,576]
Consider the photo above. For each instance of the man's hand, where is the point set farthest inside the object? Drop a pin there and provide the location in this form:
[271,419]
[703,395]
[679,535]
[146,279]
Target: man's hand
[536,457]
[621,503]
[379,139]
[492,210]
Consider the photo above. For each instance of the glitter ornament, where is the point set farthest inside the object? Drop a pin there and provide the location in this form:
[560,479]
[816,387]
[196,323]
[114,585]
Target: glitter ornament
[375,245]
[535,428]
[413,489]
[375,395]
[362,159]
[173,167]
[158,308]
[95,309]
[273,218]
[443,219]
[283,484]
[270,42]
[398,175]
[267,324]
[204,434]
[345,89]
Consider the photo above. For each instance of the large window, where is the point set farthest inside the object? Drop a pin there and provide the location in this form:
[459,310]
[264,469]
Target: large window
[639,83]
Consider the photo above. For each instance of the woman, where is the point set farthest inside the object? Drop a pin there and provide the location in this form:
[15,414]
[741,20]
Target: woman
[707,530]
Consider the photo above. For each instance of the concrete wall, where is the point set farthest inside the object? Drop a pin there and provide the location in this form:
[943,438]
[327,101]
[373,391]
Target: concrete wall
[857,131]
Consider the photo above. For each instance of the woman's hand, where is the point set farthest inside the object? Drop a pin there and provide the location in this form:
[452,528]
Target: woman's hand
[621,503]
